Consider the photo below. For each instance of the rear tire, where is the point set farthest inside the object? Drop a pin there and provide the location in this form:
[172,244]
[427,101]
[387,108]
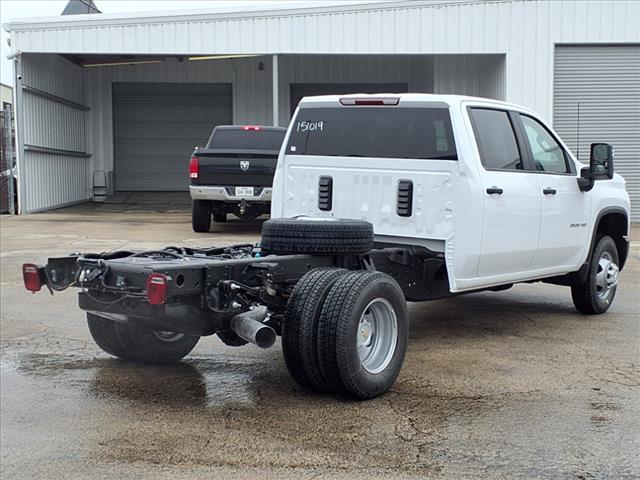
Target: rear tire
[133,342]
[200,216]
[363,331]
[219,217]
[595,295]
[300,324]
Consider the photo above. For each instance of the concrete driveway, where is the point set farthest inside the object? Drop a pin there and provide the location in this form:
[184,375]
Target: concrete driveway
[512,384]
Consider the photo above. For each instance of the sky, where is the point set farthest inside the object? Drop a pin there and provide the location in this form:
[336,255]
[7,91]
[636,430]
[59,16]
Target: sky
[13,9]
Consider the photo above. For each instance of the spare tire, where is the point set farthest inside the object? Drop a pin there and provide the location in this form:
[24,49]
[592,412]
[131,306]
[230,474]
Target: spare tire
[286,236]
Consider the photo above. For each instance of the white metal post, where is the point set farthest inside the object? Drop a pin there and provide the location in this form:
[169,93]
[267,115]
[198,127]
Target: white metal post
[275,85]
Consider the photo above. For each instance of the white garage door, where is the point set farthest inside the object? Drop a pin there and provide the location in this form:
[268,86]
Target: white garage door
[156,126]
[597,99]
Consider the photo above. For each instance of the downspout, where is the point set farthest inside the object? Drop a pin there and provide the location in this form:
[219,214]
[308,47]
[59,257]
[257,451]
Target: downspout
[275,86]
[18,114]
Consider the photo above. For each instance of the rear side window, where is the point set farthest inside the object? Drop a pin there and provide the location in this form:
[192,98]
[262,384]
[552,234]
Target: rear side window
[496,139]
[232,139]
[386,132]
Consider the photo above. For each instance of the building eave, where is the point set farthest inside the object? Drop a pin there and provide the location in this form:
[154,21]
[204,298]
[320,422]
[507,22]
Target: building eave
[200,15]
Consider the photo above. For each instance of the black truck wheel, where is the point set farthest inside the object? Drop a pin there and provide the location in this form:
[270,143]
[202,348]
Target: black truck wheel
[285,236]
[219,217]
[130,341]
[300,324]
[595,295]
[362,334]
[200,216]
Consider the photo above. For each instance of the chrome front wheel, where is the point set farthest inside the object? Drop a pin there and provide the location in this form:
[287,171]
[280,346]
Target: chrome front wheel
[607,275]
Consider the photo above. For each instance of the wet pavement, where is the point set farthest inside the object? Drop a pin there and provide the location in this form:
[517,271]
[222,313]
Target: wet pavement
[512,384]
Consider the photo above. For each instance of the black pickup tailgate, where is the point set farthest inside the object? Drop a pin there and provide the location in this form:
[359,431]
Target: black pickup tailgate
[235,167]
[243,156]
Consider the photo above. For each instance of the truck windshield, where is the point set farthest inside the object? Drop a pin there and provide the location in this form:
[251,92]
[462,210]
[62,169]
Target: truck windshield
[239,139]
[386,132]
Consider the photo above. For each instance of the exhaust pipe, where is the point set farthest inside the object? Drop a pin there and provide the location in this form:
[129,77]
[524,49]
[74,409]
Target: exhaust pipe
[249,326]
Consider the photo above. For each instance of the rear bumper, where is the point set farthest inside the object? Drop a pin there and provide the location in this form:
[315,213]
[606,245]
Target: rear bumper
[199,192]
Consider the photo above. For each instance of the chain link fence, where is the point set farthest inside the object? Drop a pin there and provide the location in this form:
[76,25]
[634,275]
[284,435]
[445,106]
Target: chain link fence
[8,184]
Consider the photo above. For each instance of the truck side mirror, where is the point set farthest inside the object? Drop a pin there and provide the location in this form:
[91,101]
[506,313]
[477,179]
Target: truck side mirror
[601,161]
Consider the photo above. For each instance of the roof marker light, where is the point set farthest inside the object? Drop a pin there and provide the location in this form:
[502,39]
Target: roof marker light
[253,128]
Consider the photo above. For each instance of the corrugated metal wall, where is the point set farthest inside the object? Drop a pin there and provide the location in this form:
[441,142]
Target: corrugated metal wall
[156,127]
[51,117]
[597,99]
[477,75]
[252,91]
[416,71]
[525,30]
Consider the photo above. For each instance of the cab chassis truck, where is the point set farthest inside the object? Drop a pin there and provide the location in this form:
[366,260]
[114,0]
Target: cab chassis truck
[377,200]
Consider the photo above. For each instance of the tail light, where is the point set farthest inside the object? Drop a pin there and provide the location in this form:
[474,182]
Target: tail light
[370,101]
[253,128]
[194,167]
[157,288]
[31,277]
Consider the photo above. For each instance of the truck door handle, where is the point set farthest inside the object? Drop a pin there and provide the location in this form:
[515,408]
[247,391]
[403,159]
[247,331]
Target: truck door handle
[549,191]
[492,190]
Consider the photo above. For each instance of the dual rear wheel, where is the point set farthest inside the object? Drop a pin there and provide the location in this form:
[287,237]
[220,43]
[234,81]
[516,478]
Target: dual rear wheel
[345,332]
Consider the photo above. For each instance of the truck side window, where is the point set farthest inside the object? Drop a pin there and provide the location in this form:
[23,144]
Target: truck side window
[496,140]
[548,155]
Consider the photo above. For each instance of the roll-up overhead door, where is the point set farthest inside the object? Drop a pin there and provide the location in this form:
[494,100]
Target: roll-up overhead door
[597,99]
[156,126]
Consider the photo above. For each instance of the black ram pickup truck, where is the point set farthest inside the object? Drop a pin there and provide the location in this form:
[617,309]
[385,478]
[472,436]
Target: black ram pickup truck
[233,173]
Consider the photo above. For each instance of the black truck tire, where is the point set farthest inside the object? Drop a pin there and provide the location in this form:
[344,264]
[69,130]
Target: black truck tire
[200,216]
[596,294]
[300,325]
[219,217]
[134,342]
[286,236]
[363,331]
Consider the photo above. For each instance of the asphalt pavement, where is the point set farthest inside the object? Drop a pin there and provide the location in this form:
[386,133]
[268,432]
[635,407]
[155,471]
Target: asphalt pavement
[512,384]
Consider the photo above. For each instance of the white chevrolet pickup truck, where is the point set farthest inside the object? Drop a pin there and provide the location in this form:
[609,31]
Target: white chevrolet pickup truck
[377,200]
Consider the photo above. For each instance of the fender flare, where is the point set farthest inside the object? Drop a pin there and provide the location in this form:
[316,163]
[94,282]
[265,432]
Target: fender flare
[601,214]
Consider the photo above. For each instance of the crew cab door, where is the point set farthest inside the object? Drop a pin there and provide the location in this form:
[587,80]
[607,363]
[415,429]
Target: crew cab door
[511,199]
[564,223]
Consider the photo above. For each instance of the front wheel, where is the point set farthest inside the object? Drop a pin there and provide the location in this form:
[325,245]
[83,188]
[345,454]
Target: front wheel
[129,341]
[595,295]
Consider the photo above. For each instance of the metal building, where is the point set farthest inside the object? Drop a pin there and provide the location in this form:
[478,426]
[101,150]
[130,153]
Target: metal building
[130,95]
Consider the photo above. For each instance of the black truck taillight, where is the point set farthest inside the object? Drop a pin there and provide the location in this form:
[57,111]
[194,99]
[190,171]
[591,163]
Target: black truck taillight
[194,167]
[31,277]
